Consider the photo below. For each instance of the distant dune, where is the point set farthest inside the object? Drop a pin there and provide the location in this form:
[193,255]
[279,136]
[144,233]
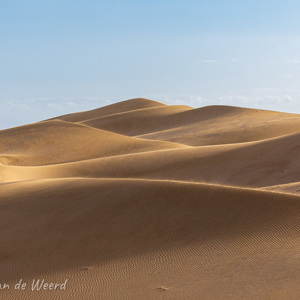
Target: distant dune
[141,200]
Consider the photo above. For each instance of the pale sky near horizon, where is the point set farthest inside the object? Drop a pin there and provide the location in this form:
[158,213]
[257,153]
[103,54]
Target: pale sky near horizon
[62,56]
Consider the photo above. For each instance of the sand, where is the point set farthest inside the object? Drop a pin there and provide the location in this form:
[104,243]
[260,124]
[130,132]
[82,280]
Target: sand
[141,200]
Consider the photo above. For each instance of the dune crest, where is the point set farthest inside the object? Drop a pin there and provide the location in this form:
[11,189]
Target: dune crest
[142,200]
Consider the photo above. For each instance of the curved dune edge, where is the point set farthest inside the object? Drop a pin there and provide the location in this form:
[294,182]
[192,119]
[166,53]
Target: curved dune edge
[99,224]
[289,188]
[124,106]
[141,200]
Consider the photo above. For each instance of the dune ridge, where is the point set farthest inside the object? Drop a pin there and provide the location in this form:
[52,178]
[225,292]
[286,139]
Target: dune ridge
[141,200]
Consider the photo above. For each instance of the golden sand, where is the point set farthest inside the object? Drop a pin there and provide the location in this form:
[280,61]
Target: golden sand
[141,200]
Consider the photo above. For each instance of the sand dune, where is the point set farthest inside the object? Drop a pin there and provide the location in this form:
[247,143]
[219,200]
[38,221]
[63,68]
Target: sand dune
[228,125]
[125,106]
[59,141]
[141,121]
[140,200]
[255,164]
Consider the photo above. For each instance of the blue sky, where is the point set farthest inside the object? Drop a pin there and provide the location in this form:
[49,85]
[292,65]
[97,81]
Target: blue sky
[63,56]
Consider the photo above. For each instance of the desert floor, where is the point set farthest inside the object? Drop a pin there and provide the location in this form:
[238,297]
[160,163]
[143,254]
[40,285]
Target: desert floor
[142,200]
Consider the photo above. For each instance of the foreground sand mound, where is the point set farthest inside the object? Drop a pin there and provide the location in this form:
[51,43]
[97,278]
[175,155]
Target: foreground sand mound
[70,226]
[140,200]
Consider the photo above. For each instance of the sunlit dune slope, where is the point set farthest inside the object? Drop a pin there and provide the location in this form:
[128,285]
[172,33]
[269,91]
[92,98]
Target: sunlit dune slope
[257,164]
[140,121]
[124,106]
[58,141]
[224,125]
[209,125]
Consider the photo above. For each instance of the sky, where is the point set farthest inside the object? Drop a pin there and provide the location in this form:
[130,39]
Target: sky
[63,56]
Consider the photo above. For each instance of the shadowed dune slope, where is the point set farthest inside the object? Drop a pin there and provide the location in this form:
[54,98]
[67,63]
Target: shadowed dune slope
[141,200]
[82,222]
